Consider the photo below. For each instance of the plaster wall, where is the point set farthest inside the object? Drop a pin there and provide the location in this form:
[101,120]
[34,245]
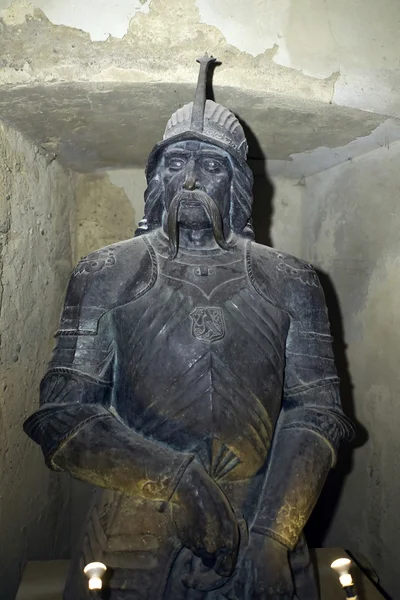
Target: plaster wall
[95,83]
[356,46]
[36,204]
[104,213]
[351,224]
[277,213]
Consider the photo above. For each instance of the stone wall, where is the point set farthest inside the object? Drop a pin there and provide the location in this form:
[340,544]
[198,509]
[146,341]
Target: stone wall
[49,219]
[104,213]
[95,87]
[324,49]
[351,224]
[36,205]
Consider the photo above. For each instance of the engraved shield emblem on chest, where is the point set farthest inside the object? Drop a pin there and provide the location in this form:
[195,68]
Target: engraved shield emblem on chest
[208,323]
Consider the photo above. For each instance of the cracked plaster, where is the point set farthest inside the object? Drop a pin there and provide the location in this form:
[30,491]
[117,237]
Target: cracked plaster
[357,40]
[318,38]
[112,19]
[103,104]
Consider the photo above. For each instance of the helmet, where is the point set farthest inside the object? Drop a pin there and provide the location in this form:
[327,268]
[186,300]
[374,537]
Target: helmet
[203,120]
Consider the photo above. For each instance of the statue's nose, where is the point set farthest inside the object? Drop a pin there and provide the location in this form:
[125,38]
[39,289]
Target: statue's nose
[190,182]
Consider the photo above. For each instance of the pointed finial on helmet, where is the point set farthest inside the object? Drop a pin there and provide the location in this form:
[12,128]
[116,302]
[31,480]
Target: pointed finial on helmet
[203,120]
[197,121]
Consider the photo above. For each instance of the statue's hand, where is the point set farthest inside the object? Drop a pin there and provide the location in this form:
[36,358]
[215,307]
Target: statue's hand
[263,571]
[205,522]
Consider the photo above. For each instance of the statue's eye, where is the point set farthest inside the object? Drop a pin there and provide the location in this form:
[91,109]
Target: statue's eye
[211,165]
[175,163]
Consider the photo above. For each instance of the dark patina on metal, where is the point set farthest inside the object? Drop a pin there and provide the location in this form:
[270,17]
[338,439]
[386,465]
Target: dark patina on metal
[193,383]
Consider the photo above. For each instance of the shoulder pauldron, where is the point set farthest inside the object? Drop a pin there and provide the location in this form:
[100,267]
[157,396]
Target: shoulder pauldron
[95,286]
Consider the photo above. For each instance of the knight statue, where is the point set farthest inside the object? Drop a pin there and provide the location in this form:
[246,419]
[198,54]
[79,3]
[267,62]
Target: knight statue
[193,384]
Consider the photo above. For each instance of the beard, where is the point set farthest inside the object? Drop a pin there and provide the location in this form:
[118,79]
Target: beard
[210,208]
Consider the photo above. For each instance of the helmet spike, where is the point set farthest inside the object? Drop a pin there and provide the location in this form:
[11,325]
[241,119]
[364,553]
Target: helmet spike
[197,121]
[204,120]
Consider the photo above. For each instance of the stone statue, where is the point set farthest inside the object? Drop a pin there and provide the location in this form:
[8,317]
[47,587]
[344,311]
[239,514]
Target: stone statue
[193,383]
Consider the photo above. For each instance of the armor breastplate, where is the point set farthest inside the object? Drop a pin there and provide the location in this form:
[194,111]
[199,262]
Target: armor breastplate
[200,362]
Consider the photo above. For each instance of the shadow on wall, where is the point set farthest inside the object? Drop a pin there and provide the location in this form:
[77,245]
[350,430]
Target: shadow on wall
[326,507]
[324,512]
[263,190]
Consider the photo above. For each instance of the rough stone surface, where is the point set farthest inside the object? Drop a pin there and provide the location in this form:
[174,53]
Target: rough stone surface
[357,44]
[103,214]
[36,201]
[112,19]
[91,126]
[103,104]
[350,230]
[36,50]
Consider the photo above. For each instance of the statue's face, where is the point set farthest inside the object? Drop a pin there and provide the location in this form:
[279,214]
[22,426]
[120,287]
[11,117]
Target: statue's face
[190,166]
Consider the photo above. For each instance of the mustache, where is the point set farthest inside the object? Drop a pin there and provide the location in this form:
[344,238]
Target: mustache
[211,210]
